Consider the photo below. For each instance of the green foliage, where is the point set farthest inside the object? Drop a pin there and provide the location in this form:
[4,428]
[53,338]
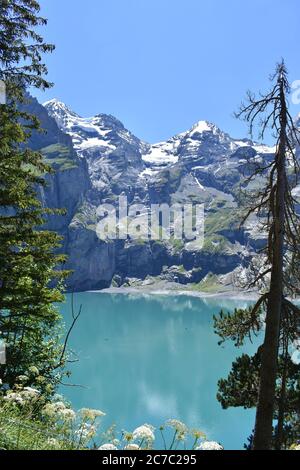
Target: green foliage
[241,387]
[215,244]
[217,221]
[31,278]
[209,284]
[31,421]
[239,325]
[22,47]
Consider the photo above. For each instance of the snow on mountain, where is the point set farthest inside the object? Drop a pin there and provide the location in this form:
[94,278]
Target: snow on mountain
[186,144]
[162,153]
[103,132]
[202,126]
[204,146]
[61,113]
[261,149]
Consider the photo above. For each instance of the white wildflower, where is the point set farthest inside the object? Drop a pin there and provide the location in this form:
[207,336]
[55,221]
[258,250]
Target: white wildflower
[67,414]
[22,397]
[52,442]
[197,434]
[132,447]
[209,445]
[107,447]
[31,390]
[49,410]
[22,378]
[29,393]
[86,431]
[91,414]
[58,409]
[145,432]
[177,425]
[59,405]
[14,397]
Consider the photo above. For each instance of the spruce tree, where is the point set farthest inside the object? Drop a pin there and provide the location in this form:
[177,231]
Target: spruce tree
[30,278]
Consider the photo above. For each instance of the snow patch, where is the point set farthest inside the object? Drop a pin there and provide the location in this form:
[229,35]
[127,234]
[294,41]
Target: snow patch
[199,184]
[264,148]
[162,153]
[201,126]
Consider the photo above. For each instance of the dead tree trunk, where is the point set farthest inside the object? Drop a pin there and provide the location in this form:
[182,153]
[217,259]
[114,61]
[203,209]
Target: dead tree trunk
[269,365]
[282,400]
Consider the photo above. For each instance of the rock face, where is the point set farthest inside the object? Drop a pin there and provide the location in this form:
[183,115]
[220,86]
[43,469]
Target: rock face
[68,185]
[96,160]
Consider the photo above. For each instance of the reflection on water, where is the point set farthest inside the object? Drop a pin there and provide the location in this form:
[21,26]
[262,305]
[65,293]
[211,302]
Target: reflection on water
[147,358]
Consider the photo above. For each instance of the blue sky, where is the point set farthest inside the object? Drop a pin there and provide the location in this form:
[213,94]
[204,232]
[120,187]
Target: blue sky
[161,65]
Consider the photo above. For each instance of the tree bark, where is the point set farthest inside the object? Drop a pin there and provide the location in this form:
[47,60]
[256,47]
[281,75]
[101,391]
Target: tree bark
[269,365]
[281,405]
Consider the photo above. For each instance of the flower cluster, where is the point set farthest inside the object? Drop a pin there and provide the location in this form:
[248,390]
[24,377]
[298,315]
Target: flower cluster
[143,437]
[177,425]
[181,430]
[59,410]
[144,433]
[22,396]
[107,447]
[209,445]
[60,427]
[90,414]
[132,447]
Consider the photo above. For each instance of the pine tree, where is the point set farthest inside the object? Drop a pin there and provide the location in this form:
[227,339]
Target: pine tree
[240,389]
[30,278]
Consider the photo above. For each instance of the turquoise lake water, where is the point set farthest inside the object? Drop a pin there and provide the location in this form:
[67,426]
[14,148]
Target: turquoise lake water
[148,358]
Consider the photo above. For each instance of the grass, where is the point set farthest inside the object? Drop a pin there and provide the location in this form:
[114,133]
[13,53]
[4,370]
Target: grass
[58,156]
[209,284]
[218,221]
[215,244]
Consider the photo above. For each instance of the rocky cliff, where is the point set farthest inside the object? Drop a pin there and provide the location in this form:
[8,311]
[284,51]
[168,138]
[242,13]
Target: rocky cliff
[97,159]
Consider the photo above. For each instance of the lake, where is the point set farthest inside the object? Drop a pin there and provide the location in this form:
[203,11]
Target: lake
[148,358]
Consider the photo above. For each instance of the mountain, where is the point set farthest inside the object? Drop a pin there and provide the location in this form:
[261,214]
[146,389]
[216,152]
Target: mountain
[97,159]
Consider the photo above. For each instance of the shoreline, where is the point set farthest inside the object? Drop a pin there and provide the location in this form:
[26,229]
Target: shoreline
[234,295]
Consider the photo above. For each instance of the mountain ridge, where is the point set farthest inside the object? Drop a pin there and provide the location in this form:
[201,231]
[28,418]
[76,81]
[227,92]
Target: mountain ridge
[203,165]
